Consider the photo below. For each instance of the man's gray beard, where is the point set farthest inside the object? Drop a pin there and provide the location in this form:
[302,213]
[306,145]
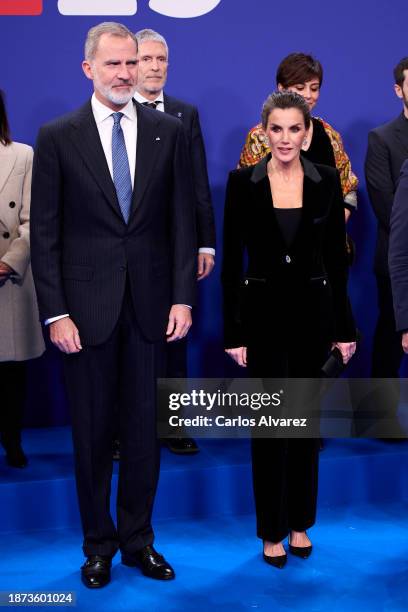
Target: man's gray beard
[109,94]
[119,100]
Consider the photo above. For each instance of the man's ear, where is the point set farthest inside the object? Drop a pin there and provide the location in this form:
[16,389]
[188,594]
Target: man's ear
[280,87]
[398,90]
[86,67]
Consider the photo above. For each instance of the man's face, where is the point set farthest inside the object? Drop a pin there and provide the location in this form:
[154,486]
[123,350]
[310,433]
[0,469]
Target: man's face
[402,91]
[113,70]
[153,63]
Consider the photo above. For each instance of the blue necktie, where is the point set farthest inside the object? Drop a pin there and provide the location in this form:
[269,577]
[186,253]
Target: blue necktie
[120,165]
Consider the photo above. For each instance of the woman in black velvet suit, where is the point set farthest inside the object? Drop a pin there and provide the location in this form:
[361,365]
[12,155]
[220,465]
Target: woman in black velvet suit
[284,314]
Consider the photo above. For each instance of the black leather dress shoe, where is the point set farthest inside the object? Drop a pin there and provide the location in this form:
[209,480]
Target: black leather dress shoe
[182,446]
[96,571]
[16,457]
[151,563]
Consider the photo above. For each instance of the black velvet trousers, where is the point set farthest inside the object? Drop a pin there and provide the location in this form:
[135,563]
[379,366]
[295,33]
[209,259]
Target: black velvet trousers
[285,471]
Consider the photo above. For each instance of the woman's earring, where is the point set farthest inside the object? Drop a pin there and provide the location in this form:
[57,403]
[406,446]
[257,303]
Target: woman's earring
[304,142]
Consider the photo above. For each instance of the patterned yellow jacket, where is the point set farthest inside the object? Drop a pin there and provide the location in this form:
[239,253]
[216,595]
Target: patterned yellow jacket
[256,147]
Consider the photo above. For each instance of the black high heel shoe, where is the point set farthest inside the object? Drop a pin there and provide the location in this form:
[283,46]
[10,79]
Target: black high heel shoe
[278,561]
[303,552]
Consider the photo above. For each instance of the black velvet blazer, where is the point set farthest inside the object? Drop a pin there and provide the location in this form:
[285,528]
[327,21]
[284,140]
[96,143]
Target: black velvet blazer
[297,292]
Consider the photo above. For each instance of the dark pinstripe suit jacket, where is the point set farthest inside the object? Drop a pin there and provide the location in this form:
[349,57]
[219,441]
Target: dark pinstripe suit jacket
[82,250]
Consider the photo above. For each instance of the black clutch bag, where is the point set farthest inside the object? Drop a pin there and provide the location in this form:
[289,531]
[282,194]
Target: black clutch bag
[333,366]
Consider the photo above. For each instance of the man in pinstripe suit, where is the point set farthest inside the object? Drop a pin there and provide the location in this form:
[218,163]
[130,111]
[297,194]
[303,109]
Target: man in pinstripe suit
[114,264]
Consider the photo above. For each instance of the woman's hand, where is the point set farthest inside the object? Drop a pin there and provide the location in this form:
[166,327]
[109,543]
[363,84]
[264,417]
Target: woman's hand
[347,350]
[239,355]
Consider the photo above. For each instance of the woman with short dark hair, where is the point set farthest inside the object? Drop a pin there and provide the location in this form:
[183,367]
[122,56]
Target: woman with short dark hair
[20,330]
[303,74]
[285,312]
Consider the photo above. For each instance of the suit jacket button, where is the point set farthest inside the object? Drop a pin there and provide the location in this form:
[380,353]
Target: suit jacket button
[288,259]
[12,204]
[6,235]
[123,268]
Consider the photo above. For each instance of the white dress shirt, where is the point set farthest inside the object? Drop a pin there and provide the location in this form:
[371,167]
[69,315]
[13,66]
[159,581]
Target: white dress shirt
[104,123]
[159,100]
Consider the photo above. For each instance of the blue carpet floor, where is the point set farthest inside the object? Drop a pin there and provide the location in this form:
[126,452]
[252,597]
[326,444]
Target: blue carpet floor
[359,563]
[205,526]
[215,482]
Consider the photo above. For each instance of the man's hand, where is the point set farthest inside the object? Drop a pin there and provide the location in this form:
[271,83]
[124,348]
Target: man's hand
[239,355]
[5,270]
[404,342]
[65,335]
[179,322]
[205,266]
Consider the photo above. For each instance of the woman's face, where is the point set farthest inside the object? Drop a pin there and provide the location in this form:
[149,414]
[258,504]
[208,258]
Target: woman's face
[286,131]
[309,90]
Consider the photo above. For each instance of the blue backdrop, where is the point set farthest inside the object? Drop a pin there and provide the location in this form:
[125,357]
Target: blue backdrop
[224,62]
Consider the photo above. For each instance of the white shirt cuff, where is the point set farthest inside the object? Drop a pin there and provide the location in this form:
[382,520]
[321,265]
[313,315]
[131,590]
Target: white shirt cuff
[208,250]
[52,319]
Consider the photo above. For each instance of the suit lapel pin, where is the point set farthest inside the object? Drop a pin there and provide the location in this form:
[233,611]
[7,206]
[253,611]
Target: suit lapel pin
[158,138]
[179,115]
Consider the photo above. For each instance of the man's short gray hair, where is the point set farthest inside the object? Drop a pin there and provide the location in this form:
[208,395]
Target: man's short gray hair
[145,35]
[107,27]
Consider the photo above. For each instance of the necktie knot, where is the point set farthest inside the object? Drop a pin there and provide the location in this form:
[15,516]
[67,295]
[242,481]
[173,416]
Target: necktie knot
[116,118]
[151,104]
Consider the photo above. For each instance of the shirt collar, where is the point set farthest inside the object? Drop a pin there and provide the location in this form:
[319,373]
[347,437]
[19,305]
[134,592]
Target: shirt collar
[141,99]
[102,112]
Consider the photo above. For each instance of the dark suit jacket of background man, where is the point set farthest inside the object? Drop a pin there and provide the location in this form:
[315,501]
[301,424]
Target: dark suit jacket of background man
[387,150]
[188,115]
[85,274]
[398,251]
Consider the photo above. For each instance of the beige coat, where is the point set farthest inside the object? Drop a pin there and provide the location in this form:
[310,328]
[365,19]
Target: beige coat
[20,330]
